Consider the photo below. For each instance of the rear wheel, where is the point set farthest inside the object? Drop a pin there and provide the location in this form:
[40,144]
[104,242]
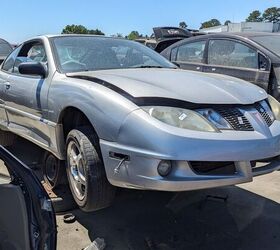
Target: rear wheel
[53,171]
[85,170]
[6,138]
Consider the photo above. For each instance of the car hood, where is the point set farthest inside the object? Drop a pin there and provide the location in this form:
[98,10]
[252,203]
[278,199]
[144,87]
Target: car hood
[195,87]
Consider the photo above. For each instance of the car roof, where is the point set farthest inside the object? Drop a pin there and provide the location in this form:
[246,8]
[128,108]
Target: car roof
[77,35]
[240,34]
[3,41]
[70,35]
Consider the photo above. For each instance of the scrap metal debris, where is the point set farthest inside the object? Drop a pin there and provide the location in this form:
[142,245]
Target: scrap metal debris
[97,244]
[69,218]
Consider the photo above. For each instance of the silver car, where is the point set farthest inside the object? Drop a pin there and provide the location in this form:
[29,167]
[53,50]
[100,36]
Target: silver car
[120,115]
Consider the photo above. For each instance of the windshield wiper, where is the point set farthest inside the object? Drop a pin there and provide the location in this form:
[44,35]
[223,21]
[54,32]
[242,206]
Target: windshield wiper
[148,66]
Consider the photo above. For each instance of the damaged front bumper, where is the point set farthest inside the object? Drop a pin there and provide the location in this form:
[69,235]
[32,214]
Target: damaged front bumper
[199,160]
[141,172]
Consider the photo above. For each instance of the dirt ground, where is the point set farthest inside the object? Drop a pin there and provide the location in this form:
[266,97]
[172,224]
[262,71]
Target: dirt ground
[238,217]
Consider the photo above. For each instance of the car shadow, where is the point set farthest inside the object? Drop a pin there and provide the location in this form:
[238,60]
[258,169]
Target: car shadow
[222,218]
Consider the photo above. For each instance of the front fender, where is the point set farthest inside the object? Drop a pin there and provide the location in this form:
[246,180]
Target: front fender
[104,108]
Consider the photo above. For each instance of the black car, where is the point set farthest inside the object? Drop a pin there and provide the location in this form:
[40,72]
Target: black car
[27,219]
[254,57]
[5,49]
[164,37]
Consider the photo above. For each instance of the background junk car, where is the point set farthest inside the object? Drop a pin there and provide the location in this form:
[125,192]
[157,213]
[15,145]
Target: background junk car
[164,37]
[5,49]
[122,115]
[254,57]
[26,213]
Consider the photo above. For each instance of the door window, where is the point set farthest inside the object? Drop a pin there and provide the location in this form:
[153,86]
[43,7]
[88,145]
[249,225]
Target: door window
[8,65]
[231,53]
[173,54]
[191,52]
[31,52]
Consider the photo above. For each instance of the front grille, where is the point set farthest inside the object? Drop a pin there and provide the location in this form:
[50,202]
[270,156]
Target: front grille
[235,118]
[213,167]
[264,114]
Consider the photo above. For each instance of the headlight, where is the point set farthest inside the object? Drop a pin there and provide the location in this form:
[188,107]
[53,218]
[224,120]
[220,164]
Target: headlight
[215,118]
[275,107]
[181,118]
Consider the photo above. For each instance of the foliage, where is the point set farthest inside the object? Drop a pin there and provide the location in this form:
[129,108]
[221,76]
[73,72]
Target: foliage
[211,23]
[183,25]
[80,29]
[271,15]
[119,35]
[133,35]
[255,16]
[227,22]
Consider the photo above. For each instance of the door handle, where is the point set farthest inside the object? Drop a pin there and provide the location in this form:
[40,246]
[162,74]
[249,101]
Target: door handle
[8,85]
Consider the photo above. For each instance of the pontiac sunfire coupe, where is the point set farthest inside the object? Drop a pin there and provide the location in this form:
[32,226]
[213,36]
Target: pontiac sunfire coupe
[119,114]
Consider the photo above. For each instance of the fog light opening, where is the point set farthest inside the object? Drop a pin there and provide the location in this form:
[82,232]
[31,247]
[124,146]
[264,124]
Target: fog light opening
[164,168]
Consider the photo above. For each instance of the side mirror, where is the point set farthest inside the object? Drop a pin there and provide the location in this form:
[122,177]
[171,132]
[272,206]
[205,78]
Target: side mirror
[32,68]
[264,63]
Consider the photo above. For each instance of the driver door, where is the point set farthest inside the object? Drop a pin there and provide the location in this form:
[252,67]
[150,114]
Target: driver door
[25,96]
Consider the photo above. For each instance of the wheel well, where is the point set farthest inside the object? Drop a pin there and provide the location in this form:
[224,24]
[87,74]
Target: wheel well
[72,118]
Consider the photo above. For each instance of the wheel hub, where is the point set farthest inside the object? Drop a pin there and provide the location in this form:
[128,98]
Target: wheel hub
[76,170]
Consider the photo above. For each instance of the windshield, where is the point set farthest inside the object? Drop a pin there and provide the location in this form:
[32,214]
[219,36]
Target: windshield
[84,53]
[270,42]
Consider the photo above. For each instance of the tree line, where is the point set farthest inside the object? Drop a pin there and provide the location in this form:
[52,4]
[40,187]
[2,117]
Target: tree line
[269,15]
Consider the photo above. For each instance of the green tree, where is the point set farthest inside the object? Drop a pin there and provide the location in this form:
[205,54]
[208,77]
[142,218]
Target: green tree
[119,35]
[211,23]
[271,15]
[255,16]
[96,32]
[133,35]
[183,25]
[227,22]
[80,29]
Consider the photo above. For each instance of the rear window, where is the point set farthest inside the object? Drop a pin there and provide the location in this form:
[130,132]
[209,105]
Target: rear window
[272,43]
[232,53]
[5,49]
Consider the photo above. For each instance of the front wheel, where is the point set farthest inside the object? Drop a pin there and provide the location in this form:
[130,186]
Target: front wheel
[85,170]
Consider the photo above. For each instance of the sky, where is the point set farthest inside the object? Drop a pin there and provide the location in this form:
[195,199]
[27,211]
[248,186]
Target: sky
[22,19]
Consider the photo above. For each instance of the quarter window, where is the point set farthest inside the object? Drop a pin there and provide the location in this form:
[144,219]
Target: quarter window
[8,65]
[191,52]
[173,54]
[231,53]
